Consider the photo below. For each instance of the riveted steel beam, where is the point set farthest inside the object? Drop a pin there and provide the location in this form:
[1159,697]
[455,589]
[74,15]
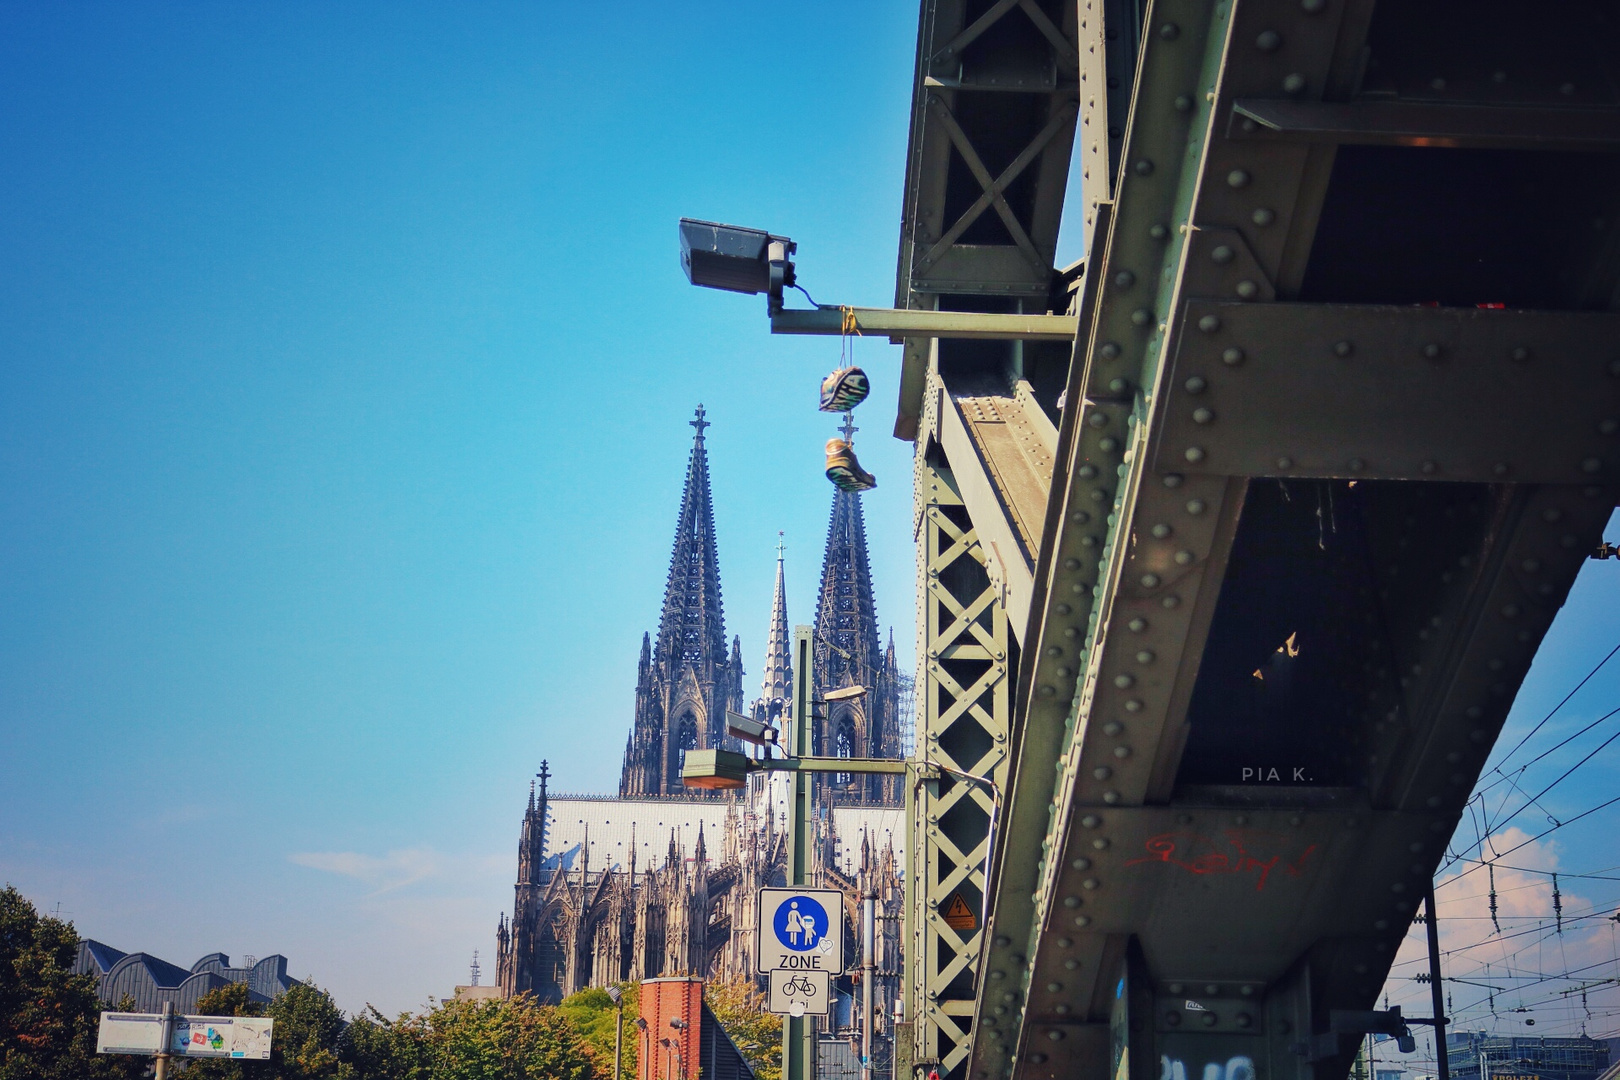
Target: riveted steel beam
[899,323]
[1372,392]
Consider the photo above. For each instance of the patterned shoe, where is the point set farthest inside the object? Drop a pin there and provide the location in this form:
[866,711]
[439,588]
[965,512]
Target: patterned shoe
[844,389]
[844,471]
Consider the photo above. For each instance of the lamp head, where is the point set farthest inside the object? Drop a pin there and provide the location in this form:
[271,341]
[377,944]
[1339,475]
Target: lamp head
[847,693]
[736,259]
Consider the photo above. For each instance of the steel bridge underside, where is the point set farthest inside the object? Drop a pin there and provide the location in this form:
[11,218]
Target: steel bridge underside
[1231,599]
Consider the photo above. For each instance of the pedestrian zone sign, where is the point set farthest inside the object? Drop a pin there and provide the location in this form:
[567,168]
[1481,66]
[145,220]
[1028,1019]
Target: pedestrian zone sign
[800,930]
[799,993]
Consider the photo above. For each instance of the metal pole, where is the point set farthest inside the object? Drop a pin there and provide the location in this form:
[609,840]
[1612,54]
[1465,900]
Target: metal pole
[618,1042]
[161,1069]
[798,1035]
[1442,1069]
[868,971]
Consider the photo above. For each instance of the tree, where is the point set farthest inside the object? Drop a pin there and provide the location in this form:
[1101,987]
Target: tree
[595,1017]
[740,1008]
[508,1040]
[48,1015]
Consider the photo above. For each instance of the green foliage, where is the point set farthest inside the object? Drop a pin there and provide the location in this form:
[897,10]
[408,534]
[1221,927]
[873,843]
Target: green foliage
[740,1008]
[231,999]
[48,1015]
[508,1040]
[594,1016]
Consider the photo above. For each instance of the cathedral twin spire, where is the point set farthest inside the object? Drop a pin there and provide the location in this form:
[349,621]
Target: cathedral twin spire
[687,679]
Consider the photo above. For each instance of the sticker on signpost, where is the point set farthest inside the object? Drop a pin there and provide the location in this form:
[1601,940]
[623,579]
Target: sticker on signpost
[800,993]
[801,930]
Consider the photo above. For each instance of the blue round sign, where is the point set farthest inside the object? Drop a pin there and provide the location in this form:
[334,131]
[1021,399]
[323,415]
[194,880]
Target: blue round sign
[800,923]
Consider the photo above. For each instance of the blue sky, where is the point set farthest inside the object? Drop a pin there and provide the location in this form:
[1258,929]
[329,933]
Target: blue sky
[345,366]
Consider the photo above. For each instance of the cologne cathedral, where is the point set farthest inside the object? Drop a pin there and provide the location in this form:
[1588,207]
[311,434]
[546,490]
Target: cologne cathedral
[662,880]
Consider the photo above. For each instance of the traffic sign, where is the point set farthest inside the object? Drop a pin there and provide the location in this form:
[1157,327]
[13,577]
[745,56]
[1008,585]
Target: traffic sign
[800,993]
[800,930]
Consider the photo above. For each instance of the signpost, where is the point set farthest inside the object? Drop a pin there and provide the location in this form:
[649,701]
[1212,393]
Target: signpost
[800,930]
[243,1037]
[800,993]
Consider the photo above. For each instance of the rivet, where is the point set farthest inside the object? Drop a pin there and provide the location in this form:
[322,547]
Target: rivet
[1431,350]
[1133,705]
[1356,464]
[1183,103]
[1500,468]
[1210,1020]
[1196,385]
[1237,178]
[1510,611]
[1090,821]
[1184,558]
[1551,514]
[1144,167]
[1122,751]
[1195,506]
[1071,901]
[1169,31]
[1158,232]
[1071,564]
[1203,416]
[1429,467]
[1311,7]
[1082,920]
[1520,353]
[1285,463]
[1081,863]
[1136,626]
[1268,41]
[1605,427]
[1222,255]
[1047,691]
[1247,289]
[1293,83]
[1194,454]
[1232,356]
[1243,1019]
[1172,480]
[1125,682]
[1124,279]
[1160,531]
[1118,386]
[1437,83]
[1055,1034]
[1172,1018]
[1209,324]
[1110,350]
[1102,772]
[1343,348]
[1567,88]
[1141,316]
[1071,963]
[1263,217]
[1591,465]
[1101,843]
[1498,77]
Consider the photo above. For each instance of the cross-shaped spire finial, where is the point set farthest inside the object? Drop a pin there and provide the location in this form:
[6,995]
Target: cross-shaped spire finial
[849,429]
[700,423]
[779,545]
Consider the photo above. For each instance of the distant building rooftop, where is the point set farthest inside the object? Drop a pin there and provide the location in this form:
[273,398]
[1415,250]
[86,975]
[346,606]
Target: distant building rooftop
[151,981]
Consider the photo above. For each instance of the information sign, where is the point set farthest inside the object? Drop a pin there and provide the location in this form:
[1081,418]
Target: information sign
[245,1037]
[800,993]
[130,1033]
[800,930]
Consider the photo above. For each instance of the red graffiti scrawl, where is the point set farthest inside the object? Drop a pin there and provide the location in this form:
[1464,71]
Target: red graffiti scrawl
[1237,852]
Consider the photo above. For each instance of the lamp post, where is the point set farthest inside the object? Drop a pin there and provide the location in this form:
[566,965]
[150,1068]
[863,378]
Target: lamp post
[728,770]
[644,1059]
[617,997]
[675,1044]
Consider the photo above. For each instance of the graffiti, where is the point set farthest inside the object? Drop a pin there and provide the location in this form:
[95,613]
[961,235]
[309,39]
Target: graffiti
[1229,855]
[1237,1068]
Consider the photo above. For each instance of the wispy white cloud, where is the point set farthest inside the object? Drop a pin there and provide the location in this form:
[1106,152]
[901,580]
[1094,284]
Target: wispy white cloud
[395,870]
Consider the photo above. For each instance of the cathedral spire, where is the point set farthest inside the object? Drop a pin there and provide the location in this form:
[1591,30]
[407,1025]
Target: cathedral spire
[846,615]
[778,681]
[692,628]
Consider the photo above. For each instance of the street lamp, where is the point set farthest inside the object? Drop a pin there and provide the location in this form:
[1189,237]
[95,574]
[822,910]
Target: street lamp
[617,997]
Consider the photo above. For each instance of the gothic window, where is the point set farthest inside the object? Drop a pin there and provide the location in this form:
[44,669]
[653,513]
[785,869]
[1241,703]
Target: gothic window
[686,738]
[844,748]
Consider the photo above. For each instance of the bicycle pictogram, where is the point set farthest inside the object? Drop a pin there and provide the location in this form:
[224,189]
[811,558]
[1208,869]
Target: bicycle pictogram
[800,986]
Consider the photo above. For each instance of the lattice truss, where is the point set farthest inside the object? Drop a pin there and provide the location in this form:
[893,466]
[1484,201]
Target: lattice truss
[963,709]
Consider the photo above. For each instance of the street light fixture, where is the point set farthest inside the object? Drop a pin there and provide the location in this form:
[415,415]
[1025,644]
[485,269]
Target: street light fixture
[737,259]
[848,693]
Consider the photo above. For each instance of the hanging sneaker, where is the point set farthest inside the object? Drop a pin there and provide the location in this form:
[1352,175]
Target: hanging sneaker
[844,389]
[844,471]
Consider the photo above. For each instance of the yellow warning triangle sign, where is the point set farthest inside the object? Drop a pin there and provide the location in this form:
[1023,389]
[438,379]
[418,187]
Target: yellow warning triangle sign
[958,916]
